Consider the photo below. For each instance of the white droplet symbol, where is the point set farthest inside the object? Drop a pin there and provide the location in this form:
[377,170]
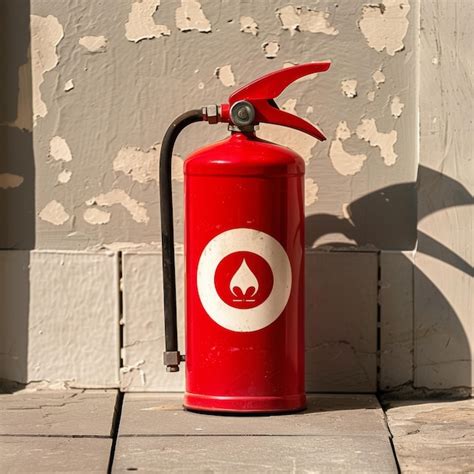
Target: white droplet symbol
[244,284]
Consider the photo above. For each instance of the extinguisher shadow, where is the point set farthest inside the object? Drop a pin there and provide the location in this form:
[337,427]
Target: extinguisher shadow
[374,225]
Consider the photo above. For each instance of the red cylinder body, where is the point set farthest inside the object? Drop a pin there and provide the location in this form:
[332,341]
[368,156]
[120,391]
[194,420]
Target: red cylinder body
[244,242]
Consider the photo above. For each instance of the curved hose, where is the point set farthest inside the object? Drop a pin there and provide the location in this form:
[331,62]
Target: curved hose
[172,356]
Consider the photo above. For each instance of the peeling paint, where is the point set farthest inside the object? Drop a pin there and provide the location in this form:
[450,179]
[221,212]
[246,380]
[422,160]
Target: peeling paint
[396,106]
[296,19]
[96,216]
[378,77]
[271,49]
[225,75]
[64,177]
[248,25]
[140,24]
[136,209]
[54,213]
[385,25]
[300,142]
[349,88]
[344,163]
[310,192]
[46,33]
[69,85]
[189,16]
[59,149]
[309,110]
[367,131]
[94,44]
[8,180]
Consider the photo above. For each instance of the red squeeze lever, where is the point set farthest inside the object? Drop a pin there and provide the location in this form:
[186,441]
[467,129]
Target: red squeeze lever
[261,92]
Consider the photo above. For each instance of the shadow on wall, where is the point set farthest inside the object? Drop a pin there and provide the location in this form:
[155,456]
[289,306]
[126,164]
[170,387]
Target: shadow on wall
[375,208]
[17,187]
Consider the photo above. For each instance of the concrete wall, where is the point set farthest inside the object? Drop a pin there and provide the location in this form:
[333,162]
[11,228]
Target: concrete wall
[89,90]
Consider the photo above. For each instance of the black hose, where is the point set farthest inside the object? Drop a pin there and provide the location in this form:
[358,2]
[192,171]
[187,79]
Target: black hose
[171,356]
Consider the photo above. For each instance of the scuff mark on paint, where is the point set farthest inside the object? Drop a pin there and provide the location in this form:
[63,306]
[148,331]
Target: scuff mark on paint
[371,96]
[396,106]
[225,75]
[59,149]
[64,177]
[140,24]
[300,142]
[271,49]
[349,88]
[378,77]
[367,130]
[310,192]
[94,216]
[189,16]
[46,33]
[54,213]
[296,19]
[344,163]
[309,110]
[9,180]
[385,25]
[136,209]
[142,166]
[69,85]
[94,44]
[248,25]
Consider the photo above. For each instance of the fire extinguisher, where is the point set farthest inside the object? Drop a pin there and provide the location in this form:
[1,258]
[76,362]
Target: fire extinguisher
[244,256]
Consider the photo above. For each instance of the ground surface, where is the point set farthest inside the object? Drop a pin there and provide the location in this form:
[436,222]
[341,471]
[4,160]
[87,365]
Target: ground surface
[97,431]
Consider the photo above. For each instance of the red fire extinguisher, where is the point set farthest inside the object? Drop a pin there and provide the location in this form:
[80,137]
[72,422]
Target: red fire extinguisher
[244,251]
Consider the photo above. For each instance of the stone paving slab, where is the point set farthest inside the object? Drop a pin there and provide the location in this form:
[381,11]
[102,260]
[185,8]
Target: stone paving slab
[433,436]
[162,414]
[57,413]
[254,454]
[58,454]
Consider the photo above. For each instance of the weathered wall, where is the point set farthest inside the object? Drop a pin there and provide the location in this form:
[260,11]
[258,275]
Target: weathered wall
[89,90]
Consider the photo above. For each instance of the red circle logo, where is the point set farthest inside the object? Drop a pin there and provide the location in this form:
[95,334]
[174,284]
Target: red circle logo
[243,280]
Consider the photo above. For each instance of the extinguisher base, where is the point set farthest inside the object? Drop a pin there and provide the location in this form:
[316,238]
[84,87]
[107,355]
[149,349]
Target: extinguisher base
[249,405]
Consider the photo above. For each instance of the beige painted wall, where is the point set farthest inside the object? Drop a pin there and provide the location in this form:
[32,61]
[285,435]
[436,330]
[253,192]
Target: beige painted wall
[89,90]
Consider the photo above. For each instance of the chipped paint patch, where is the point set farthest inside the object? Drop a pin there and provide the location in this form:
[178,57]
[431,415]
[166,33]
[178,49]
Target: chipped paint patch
[396,106]
[24,112]
[69,85]
[94,44]
[142,165]
[371,96]
[349,88]
[46,33]
[64,177]
[140,24]
[300,142]
[310,192]
[367,130]
[225,75]
[189,16]
[385,25]
[296,19]
[8,180]
[54,213]
[94,216]
[378,77]
[248,25]
[271,49]
[59,149]
[136,209]
[344,163]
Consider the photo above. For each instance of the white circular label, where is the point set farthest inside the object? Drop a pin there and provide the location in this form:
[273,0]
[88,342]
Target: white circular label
[253,304]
